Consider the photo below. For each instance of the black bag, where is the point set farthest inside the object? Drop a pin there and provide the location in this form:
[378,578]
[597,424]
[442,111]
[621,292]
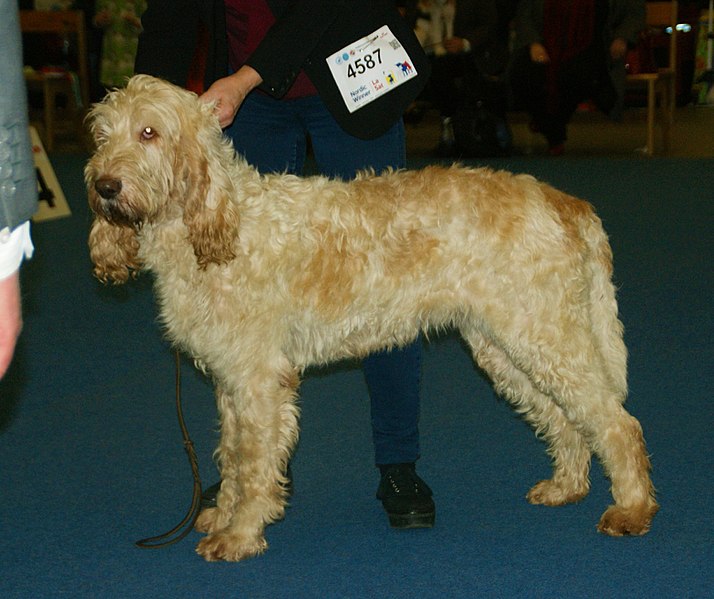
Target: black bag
[479,133]
[375,118]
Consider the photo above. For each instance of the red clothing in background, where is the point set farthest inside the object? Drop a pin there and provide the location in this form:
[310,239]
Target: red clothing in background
[247,22]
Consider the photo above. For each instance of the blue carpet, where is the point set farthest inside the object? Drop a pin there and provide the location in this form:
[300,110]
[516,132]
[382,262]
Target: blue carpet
[91,455]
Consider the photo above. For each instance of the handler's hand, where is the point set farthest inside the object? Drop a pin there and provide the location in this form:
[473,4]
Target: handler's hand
[229,92]
[10,319]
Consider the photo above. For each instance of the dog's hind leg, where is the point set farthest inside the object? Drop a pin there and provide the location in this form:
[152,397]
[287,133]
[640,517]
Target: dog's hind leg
[259,428]
[570,369]
[566,445]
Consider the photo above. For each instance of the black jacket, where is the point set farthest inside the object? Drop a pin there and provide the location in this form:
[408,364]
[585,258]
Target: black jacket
[305,33]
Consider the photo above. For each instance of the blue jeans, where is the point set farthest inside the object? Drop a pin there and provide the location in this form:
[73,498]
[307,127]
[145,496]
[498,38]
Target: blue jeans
[273,136]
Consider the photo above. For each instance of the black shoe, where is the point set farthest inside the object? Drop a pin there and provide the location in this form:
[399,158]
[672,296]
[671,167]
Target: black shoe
[208,497]
[406,497]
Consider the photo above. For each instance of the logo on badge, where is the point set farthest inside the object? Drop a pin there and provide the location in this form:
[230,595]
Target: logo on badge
[405,68]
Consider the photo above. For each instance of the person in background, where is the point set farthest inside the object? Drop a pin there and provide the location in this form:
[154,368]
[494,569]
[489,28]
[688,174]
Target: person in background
[266,72]
[569,51]
[468,55]
[18,182]
[465,53]
[120,21]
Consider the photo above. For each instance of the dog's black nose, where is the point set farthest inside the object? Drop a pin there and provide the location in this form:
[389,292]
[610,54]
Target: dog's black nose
[108,188]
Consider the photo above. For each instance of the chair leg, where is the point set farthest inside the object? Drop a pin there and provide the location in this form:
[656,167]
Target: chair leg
[666,116]
[668,105]
[49,110]
[651,107]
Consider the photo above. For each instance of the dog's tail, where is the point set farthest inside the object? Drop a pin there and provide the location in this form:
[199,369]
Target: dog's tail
[607,327]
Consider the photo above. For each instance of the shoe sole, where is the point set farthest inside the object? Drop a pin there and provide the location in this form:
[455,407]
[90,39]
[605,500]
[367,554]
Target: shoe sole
[405,521]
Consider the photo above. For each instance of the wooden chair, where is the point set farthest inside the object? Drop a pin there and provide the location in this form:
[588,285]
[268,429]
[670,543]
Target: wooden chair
[662,84]
[72,85]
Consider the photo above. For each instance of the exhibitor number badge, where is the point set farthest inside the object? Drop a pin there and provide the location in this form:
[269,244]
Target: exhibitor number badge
[370,67]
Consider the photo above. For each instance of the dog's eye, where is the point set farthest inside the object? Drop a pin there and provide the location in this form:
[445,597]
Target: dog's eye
[147,133]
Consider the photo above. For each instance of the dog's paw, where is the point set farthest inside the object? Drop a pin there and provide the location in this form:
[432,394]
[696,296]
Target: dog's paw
[210,520]
[224,546]
[549,492]
[618,521]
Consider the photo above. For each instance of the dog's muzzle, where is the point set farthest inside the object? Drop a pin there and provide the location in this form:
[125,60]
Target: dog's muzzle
[111,205]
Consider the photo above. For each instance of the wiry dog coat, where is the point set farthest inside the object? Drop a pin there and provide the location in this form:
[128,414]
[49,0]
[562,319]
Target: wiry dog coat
[258,277]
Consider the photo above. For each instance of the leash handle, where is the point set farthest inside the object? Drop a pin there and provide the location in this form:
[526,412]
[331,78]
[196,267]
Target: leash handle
[176,533]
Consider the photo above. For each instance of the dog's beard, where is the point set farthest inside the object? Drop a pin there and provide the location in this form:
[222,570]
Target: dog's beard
[117,212]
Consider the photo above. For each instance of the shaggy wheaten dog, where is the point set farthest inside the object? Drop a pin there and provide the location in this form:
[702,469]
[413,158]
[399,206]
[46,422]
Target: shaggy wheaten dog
[260,276]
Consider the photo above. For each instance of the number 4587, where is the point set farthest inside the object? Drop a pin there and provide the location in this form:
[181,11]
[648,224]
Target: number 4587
[364,63]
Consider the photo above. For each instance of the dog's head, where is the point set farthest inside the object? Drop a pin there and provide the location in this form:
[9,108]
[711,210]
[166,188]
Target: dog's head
[160,156]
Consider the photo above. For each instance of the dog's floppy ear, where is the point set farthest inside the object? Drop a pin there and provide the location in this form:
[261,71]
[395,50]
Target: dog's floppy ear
[113,251]
[209,211]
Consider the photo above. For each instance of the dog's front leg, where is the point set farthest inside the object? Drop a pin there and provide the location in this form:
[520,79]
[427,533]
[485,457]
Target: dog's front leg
[259,425]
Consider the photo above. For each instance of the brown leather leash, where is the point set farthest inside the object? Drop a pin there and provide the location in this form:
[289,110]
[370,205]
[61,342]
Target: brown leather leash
[176,533]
